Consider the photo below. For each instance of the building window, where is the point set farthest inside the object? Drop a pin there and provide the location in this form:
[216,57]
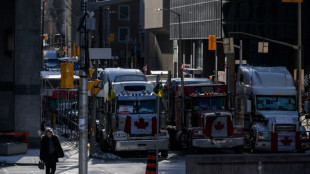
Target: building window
[123,32]
[123,12]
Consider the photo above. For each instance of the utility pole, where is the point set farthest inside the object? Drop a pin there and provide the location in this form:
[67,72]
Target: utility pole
[42,34]
[299,60]
[240,53]
[83,95]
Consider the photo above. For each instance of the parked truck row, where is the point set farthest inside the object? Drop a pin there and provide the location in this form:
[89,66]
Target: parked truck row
[265,116]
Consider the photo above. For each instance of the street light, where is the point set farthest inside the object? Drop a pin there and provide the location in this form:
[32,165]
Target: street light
[180,69]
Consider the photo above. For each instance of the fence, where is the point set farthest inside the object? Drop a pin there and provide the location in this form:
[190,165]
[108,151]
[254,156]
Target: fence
[61,112]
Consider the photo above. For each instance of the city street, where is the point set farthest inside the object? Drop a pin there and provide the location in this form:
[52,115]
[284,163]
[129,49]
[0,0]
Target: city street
[99,86]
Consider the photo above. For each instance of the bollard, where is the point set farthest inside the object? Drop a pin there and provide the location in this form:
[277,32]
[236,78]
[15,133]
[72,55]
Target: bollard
[151,163]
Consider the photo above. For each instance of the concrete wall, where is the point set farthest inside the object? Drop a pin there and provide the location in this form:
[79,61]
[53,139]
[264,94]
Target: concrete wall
[27,67]
[7,19]
[248,163]
[153,19]
[20,73]
[158,49]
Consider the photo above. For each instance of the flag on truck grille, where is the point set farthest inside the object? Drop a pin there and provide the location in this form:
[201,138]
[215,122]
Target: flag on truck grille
[285,141]
[140,125]
[219,126]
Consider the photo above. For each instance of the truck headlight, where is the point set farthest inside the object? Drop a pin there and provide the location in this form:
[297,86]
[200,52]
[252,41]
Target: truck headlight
[163,134]
[263,135]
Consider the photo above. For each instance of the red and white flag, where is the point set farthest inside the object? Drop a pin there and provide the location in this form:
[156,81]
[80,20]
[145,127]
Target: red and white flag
[140,125]
[219,127]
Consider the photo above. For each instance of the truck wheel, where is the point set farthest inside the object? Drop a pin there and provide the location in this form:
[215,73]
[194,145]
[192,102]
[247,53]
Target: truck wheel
[164,153]
[173,144]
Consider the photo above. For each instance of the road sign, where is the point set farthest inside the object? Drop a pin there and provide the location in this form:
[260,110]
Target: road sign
[292,0]
[228,45]
[212,42]
[263,47]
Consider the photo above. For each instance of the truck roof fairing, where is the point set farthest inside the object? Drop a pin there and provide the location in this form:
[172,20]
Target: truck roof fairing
[265,81]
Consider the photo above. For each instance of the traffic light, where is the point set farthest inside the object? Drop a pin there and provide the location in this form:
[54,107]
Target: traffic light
[112,37]
[92,87]
[90,72]
[67,72]
[212,42]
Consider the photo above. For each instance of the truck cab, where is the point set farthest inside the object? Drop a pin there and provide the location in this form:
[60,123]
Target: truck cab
[130,120]
[267,108]
[207,122]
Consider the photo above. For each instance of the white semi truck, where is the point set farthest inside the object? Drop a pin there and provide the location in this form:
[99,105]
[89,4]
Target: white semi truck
[130,117]
[266,107]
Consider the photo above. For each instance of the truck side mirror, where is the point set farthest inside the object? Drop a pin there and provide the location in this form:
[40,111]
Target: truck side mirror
[248,106]
[306,107]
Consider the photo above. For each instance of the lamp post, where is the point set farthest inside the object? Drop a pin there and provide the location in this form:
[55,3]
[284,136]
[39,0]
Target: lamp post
[180,69]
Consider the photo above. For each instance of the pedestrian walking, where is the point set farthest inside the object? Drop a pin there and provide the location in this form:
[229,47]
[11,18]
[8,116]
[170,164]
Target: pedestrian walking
[50,151]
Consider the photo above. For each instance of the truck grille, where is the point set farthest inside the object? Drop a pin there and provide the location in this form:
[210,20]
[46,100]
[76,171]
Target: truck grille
[285,128]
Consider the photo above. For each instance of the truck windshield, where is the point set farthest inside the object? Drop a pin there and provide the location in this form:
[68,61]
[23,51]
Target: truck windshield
[211,103]
[284,103]
[127,106]
[136,107]
[146,107]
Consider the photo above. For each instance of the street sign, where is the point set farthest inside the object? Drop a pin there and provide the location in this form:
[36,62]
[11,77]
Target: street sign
[212,42]
[228,45]
[292,0]
[263,47]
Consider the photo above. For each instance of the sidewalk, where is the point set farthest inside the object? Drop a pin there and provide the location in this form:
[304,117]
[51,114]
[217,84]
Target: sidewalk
[71,151]
[32,155]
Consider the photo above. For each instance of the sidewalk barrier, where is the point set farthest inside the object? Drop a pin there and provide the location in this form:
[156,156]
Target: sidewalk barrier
[284,163]
[24,136]
[151,163]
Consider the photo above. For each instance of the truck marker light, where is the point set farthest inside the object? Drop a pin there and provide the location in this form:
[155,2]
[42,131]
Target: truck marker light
[115,130]
[303,137]
[261,137]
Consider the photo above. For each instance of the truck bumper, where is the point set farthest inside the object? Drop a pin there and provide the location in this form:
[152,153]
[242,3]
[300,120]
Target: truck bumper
[218,142]
[141,145]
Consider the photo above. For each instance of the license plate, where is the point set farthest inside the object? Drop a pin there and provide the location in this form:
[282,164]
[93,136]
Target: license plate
[142,146]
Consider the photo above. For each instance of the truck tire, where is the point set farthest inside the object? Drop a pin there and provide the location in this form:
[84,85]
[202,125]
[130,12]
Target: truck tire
[173,144]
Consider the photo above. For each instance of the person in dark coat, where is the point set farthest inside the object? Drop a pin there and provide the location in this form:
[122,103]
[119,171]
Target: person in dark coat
[50,151]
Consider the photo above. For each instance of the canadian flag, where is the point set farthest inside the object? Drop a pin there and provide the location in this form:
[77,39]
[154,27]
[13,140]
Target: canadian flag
[219,127]
[285,141]
[140,125]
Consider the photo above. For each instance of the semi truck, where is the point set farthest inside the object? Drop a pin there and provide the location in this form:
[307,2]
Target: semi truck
[267,109]
[207,122]
[130,122]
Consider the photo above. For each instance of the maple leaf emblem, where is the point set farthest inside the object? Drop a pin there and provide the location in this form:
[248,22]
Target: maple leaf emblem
[141,124]
[286,141]
[219,125]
